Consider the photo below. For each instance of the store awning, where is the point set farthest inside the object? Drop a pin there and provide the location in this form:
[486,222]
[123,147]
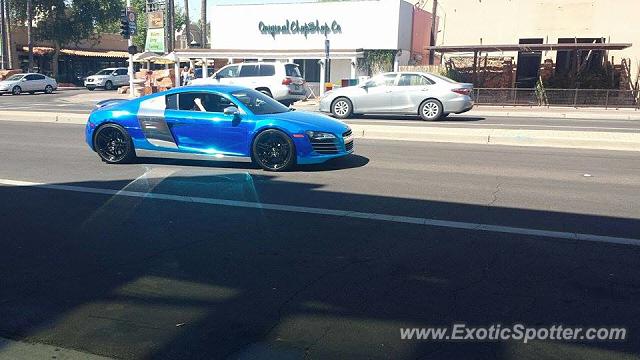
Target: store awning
[267,54]
[43,50]
[529,47]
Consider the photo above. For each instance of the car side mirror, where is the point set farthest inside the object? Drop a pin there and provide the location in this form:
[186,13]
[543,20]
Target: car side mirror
[23,80]
[231,110]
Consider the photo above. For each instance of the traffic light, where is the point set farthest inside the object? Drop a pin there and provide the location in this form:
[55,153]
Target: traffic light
[124,24]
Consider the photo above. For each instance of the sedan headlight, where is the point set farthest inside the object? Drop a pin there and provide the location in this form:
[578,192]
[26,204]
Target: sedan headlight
[319,135]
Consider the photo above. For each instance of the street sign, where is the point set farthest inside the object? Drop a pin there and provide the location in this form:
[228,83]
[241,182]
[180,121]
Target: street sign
[133,26]
[155,20]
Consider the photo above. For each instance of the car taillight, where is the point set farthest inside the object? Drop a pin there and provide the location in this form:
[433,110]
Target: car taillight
[462,91]
[287,81]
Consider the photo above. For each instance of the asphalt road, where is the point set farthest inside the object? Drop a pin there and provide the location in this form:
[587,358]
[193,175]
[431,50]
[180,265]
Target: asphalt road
[82,101]
[178,259]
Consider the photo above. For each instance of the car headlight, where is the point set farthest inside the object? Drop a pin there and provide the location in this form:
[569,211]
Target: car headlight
[319,135]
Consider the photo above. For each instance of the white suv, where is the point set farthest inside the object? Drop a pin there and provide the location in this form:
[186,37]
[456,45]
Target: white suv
[281,81]
[108,79]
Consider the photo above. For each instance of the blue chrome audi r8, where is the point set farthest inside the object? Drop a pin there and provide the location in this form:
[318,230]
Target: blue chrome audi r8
[215,122]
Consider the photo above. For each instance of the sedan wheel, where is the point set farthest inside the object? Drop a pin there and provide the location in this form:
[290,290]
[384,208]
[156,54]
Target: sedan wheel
[431,110]
[273,150]
[108,85]
[113,144]
[16,90]
[342,108]
[48,89]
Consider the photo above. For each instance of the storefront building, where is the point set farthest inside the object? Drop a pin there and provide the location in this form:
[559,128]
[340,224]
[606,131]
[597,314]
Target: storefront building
[300,33]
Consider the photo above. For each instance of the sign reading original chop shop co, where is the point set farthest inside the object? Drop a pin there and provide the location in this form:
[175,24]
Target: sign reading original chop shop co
[297,27]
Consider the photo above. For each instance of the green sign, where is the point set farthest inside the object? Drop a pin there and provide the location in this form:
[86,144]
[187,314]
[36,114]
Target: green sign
[297,27]
[155,40]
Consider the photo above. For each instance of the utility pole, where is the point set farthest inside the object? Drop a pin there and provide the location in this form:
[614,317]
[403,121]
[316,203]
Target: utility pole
[30,33]
[432,42]
[3,37]
[187,23]
[203,23]
[7,28]
[130,71]
[170,25]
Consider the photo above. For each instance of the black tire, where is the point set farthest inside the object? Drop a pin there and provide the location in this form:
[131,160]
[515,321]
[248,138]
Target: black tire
[266,92]
[108,85]
[48,89]
[430,110]
[31,92]
[341,108]
[273,150]
[113,144]
[17,90]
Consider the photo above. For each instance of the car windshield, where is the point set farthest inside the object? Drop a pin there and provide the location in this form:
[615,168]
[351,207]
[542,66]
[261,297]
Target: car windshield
[259,103]
[15,77]
[105,72]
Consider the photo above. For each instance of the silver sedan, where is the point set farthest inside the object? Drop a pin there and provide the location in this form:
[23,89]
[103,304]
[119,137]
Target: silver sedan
[29,83]
[428,95]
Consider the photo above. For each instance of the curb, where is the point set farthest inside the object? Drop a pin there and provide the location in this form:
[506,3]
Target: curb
[596,140]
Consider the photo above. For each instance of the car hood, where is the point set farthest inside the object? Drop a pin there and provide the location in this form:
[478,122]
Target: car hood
[309,121]
[8,83]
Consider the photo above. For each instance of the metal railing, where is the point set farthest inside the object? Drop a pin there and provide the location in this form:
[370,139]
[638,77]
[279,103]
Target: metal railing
[558,97]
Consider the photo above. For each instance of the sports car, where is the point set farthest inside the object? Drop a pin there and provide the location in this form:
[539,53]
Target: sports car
[216,122]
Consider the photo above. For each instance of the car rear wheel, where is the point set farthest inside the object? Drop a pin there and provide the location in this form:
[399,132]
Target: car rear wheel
[113,144]
[430,110]
[108,85]
[341,108]
[48,89]
[273,150]
[17,90]
[266,92]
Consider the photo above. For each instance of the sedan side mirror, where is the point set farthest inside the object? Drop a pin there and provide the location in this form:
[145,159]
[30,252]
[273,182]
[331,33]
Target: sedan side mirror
[231,110]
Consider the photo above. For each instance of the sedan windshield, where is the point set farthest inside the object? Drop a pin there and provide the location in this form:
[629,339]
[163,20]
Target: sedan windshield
[15,77]
[259,103]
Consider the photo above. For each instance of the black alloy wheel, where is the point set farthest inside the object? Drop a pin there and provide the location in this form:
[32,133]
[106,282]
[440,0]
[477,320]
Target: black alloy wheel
[108,85]
[17,90]
[113,144]
[48,89]
[273,150]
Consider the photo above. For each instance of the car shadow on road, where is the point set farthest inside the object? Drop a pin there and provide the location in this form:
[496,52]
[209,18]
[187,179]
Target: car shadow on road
[343,163]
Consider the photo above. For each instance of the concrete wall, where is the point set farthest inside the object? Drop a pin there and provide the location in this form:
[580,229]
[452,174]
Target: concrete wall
[467,22]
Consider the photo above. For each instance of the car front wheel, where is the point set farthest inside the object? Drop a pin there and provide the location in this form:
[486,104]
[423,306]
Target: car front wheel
[273,150]
[108,85]
[48,89]
[341,108]
[430,110]
[17,90]
[113,144]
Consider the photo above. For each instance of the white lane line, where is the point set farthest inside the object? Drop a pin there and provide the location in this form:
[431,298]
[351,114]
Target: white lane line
[332,212]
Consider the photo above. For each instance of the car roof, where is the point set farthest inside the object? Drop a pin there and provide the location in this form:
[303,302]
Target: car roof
[216,87]
[263,63]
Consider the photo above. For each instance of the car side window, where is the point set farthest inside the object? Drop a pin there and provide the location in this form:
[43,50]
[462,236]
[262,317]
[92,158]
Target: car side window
[383,80]
[30,77]
[267,70]
[228,72]
[413,80]
[38,77]
[249,70]
[122,72]
[201,101]
[171,101]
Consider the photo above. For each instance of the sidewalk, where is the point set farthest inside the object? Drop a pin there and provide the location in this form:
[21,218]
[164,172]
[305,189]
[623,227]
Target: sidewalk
[526,111]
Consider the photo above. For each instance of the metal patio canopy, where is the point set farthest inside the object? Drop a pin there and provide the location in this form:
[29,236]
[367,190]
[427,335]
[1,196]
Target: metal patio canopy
[529,47]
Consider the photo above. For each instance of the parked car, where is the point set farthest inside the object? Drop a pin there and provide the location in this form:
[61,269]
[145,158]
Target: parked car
[219,122]
[280,81]
[29,82]
[428,95]
[108,79]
